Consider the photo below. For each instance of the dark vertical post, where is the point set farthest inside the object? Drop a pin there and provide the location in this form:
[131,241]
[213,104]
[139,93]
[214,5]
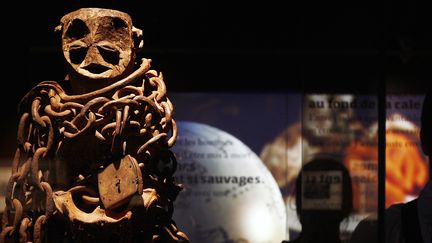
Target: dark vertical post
[381,156]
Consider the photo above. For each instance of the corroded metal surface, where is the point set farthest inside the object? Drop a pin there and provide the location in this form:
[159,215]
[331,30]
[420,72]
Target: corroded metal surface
[87,167]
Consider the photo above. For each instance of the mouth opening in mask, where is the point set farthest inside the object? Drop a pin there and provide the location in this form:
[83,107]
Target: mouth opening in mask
[96,68]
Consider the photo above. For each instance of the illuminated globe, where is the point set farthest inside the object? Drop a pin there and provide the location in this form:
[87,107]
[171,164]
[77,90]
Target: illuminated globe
[229,195]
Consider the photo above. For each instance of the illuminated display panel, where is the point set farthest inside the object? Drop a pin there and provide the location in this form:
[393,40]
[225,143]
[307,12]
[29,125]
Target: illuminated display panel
[344,127]
[289,129]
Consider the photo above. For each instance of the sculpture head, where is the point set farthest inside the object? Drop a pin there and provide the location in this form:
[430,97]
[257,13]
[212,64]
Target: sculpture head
[99,46]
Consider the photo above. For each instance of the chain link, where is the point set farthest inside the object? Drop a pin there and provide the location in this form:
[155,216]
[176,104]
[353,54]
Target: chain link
[49,116]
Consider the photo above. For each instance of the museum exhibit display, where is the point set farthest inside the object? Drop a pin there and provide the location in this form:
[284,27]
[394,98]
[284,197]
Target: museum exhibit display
[312,125]
[93,162]
[271,122]
[343,126]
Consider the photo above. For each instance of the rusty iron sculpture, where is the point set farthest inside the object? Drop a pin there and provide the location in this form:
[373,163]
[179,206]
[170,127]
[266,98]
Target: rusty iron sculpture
[93,163]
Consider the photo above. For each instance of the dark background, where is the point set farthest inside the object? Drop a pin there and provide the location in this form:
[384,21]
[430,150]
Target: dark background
[270,45]
[262,45]
[259,46]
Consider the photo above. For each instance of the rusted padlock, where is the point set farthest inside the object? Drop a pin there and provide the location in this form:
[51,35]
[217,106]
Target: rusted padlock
[118,182]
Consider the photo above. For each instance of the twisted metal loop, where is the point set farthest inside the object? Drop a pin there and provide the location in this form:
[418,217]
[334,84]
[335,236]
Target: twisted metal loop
[37,231]
[23,234]
[115,115]
[6,232]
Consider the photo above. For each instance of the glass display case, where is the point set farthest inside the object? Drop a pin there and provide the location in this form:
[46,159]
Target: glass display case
[265,104]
